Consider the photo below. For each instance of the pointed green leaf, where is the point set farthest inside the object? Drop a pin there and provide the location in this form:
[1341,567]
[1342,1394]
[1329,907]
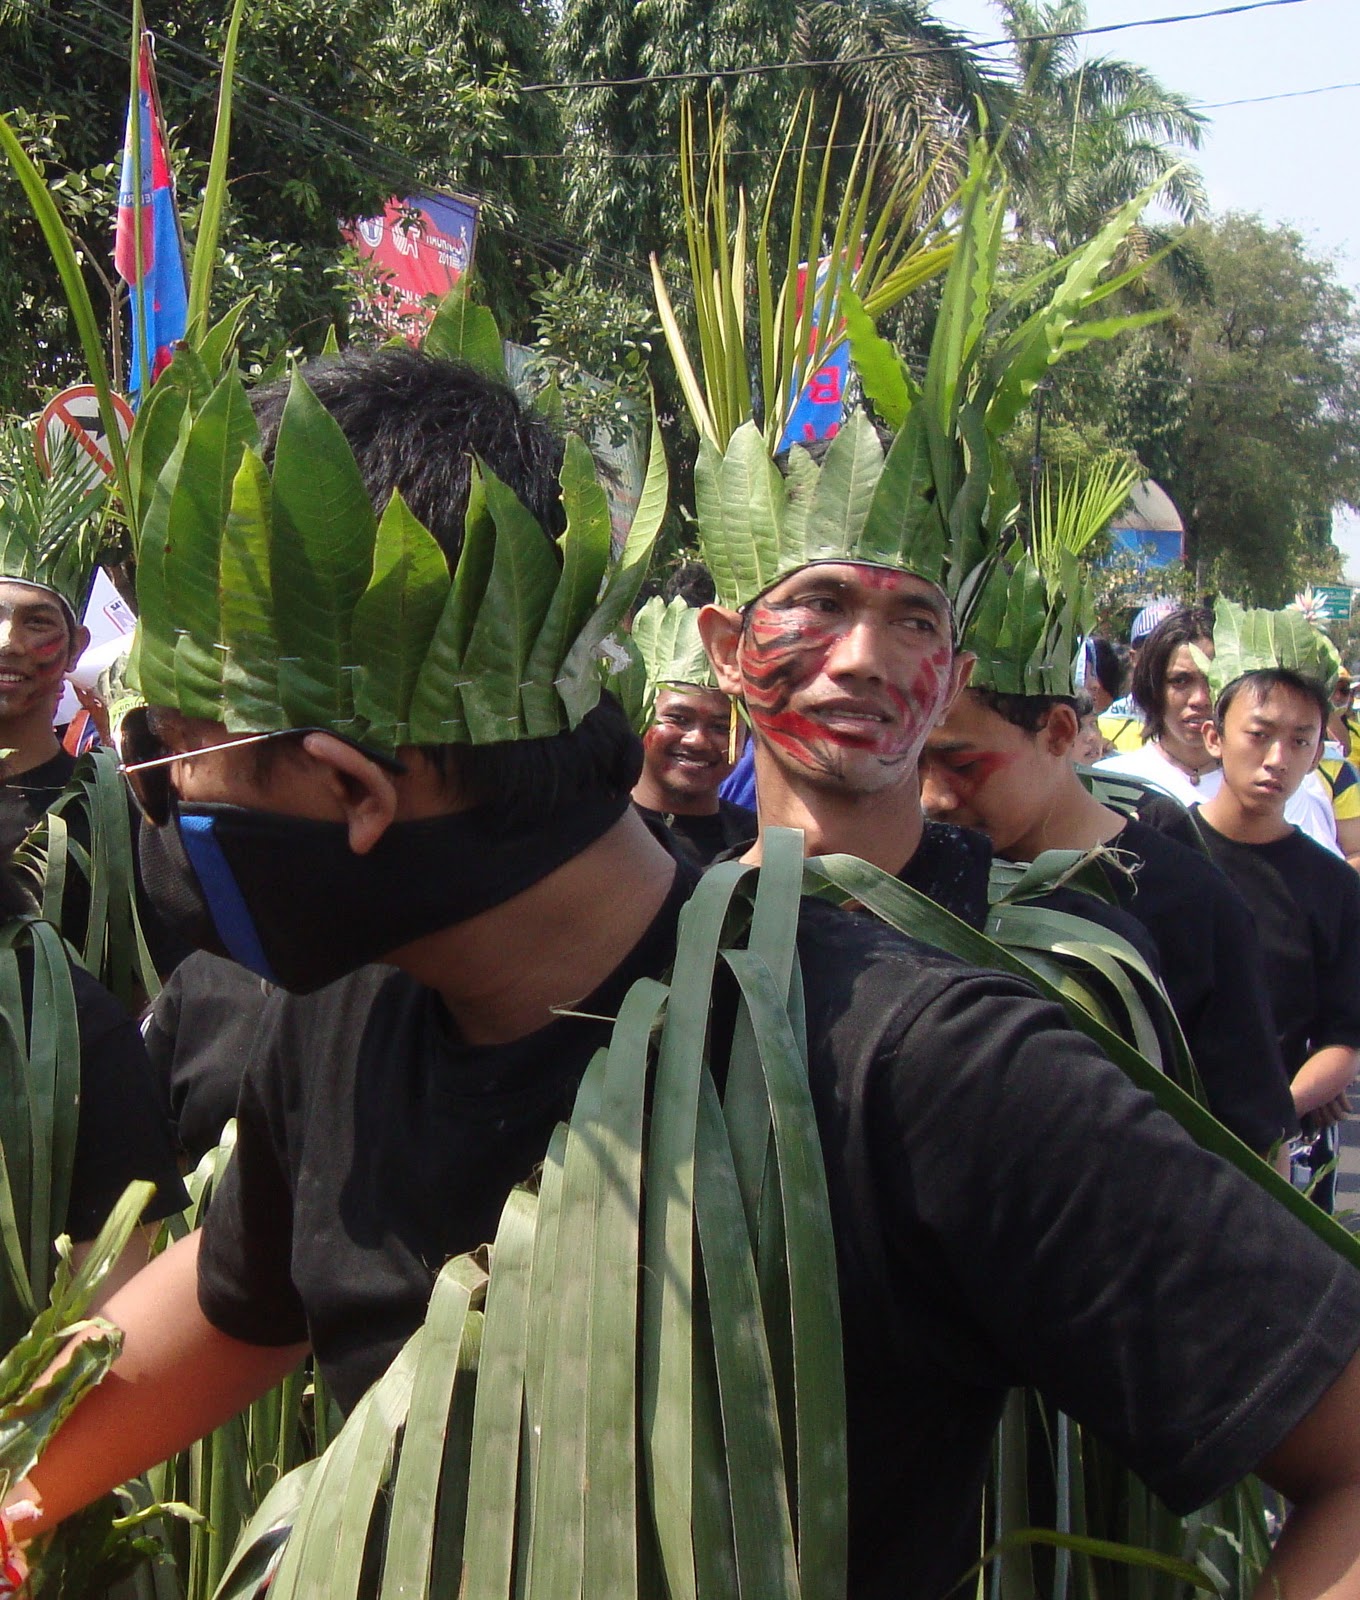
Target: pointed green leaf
[579,684]
[151,668]
[464,332]
[322,559]
[524,576]
[198,511]
[153,438]
[903,524]
[585,547]
[436,705]
[882,373]
[741,504]
[395,620]
[851,468]
[250,675]
[220,340]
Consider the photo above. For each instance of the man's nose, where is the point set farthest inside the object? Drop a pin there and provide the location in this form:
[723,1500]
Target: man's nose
[8,636]
[858,652]
[937,797]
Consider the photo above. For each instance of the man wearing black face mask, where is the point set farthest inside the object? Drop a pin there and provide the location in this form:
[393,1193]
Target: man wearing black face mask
[384,1118]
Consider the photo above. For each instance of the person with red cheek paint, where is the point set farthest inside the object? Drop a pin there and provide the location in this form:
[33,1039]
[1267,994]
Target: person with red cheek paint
[1003,763]
[843,668]
[40,641]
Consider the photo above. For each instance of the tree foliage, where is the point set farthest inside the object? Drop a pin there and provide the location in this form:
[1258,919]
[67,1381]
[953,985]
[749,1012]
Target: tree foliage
[1271,434]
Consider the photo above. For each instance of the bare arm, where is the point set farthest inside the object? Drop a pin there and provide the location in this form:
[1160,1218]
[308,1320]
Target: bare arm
[1318,1469]
[1326,1074]
[177,1378]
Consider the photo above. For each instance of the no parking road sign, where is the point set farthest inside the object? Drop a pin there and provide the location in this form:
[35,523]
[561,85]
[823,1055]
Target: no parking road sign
[74,414]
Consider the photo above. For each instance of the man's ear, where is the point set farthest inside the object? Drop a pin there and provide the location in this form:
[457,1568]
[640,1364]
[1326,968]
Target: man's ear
[80,643]
[961,673]
[366,792]
[1060,730]
[1213,739]
[720,629]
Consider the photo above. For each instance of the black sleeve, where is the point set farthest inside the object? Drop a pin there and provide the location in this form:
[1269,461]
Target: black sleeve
[122,1132]
[245,1285]
[1076,1240]
[201,1034]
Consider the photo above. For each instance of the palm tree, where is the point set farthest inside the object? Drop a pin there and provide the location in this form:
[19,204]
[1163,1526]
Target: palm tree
[892,62]
[1088,134]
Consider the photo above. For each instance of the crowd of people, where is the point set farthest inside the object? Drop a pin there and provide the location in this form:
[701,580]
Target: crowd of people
[405,955]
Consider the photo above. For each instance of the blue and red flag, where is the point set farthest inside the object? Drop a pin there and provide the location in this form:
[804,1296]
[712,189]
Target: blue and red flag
[160,299]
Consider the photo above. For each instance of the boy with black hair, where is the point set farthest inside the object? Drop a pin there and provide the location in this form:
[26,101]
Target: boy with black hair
[1003,763]
[1267,731]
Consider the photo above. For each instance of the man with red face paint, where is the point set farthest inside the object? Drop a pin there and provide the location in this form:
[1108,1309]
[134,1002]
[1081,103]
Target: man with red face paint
[40,641]
[844,667]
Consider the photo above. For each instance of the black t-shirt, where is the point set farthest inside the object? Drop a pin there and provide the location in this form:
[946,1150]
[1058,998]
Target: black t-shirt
[1007,1209]
[200,1036]
[1305,903]
[951,866]
[121,1131]
[1211,965]
[704,839]
[40,786]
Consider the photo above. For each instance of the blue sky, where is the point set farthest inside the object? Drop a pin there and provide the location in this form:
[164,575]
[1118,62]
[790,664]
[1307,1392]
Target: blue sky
[1290,160]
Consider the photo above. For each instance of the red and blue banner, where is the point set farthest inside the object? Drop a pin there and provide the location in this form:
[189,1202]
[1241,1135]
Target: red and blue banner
[820,408]
[160,299]
[416,251]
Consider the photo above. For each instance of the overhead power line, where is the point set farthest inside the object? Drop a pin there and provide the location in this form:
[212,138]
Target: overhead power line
[756,69]
[1288,94]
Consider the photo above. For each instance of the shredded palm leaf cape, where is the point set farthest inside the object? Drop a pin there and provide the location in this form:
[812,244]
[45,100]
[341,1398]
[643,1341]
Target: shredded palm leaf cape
[1247,640]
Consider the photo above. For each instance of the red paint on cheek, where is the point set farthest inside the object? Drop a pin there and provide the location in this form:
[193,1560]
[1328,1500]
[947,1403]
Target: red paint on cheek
[52,654]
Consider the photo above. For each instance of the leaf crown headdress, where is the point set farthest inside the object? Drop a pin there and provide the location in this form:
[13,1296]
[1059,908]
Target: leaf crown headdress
[939,501]
[1249,640]
[277,599]
[1036,605]
[50,530]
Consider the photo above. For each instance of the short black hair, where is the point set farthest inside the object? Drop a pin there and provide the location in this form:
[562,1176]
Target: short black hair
[1190,626]
[1265,679]
[1108,663]
[1028,712]
[414,422]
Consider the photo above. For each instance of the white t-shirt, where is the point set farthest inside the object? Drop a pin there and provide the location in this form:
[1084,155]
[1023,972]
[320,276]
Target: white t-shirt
[1309,809]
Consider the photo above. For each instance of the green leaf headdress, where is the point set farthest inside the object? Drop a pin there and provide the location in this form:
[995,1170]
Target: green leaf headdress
[276,599]
[1248,640]
[667,653]
[50,523]
[939,501]
[1035,606]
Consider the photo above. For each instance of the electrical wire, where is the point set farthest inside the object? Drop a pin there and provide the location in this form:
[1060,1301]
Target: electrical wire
[756,69]
[1288,94]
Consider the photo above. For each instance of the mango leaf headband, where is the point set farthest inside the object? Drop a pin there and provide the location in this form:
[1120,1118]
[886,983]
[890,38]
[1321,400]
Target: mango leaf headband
[1248,640]
[276,599]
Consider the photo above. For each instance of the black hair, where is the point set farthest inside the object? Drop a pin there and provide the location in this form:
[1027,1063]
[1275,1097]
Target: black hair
[1108,664]
[690,582]
[1028,712]
[1190,626]
[414,422]
[1260,683]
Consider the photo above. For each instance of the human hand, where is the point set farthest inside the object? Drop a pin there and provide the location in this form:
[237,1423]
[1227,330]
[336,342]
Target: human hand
[1333,1111]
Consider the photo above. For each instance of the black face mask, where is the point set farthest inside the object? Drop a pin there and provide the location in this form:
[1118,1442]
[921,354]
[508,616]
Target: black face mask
[288,898]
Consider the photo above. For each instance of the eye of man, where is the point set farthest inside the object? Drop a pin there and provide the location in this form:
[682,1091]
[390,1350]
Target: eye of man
[1182,680]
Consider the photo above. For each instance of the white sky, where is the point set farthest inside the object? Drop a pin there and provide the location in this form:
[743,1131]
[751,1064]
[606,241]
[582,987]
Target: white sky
[1293,160]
